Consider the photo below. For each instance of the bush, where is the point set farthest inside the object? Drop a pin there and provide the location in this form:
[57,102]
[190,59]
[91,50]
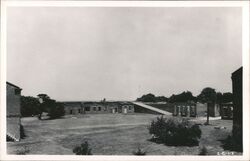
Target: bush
[174,132]
[9,139]
[139,151]
[234,142]
[83,149]
[22,151]
[203,151]
[231,143]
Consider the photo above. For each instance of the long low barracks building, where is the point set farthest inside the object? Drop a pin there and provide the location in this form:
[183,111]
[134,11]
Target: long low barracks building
[73,108]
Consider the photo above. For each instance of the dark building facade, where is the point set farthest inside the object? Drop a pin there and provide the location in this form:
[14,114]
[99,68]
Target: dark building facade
[226,110]
[73,108]
[13,111]
[237,105]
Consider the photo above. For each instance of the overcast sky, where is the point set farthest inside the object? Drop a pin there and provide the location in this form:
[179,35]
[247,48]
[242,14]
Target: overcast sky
[82,53]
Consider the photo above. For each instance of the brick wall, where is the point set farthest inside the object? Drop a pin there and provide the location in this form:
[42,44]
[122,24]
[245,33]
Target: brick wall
[13,111]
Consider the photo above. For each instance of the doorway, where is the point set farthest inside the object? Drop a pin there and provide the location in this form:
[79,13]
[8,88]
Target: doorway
[125,110]
[114,110]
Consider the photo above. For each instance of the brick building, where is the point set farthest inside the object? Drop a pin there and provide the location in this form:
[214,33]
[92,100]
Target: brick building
[13,111]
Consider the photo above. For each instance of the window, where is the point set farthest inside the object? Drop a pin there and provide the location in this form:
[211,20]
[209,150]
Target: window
[71,111]
[87,108]
[129,108]
[99,108]
[79,110]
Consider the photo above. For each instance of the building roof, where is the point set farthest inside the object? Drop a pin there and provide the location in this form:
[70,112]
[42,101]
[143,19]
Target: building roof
[228,103]
[184,103]
[237,72]
[13,85]
[72,103]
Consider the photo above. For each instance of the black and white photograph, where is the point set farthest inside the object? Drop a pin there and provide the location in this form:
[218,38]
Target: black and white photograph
[125,80]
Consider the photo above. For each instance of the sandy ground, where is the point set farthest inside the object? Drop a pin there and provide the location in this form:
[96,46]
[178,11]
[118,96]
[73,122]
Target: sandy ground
[108,134]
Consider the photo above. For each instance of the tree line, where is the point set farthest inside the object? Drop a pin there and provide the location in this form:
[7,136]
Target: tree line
[32,106]
[208,94]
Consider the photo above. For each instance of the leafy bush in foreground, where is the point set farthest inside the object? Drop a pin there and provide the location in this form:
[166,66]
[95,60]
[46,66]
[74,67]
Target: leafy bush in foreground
[230,143]
[203,151]
[234,141]
[139,151]
[174,132]
[22,151]
[83,149]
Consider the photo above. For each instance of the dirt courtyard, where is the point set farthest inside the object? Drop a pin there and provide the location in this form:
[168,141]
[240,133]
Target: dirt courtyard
[108,134]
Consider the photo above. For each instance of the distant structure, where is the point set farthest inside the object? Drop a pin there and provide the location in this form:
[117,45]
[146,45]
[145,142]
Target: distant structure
[73,108]
[92,107]
[226,110]
[214,109]
[13,111]
[237,105]
[185,109]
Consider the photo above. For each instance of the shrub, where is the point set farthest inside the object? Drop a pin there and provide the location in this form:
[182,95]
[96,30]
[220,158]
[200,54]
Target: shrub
[203,151]
[234,142]
[175,132]
[139,151]
[83,149]
[9,139]
[231,143]
[22,151]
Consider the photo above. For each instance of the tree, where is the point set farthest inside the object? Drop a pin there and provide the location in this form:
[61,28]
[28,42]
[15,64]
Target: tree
[182,97]
[207,95]
[152,98]
[53,108]
[227,97]
[56,111]
[219,97]
[224,98]
[29,106]
[161,99]
[147,98]
[43,97]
